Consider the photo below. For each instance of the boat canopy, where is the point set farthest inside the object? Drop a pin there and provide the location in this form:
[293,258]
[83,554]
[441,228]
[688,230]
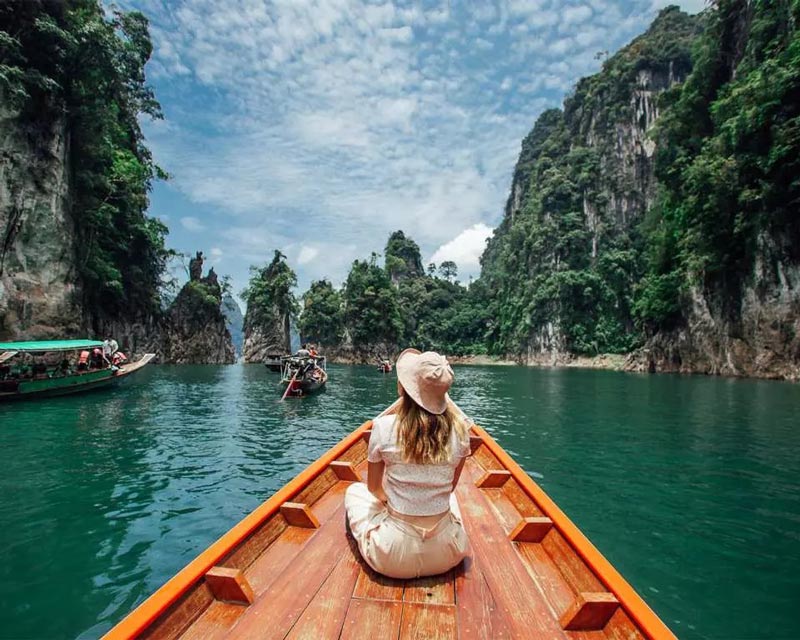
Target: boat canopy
[50,345]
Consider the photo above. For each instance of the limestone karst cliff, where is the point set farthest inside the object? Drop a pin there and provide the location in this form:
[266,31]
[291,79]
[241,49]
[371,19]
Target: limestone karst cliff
[78,253]
[195,330]
[652,215]
[270,308]
[38,279]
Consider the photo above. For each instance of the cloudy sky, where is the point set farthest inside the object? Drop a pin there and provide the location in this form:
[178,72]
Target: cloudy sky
[320,126]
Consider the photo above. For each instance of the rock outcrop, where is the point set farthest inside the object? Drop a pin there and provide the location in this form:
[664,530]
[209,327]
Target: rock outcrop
[568,263]
[261,340]
[763,341]
[38,290]
[195,331]
[270,308]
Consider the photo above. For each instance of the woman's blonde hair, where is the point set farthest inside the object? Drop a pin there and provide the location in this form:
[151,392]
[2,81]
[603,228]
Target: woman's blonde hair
[424,437]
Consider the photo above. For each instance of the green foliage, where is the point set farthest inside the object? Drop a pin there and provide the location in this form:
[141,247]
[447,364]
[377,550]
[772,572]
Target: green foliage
[448,270]
[371,313]
[69,60]
[321,318]
[728,162]
[420,310]
[199,299]
[562,268]
[268,295]
[402,257]
[442,316]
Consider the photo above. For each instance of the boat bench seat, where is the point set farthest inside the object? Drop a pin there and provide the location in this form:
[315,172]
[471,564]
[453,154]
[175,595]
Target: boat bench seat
[300,574]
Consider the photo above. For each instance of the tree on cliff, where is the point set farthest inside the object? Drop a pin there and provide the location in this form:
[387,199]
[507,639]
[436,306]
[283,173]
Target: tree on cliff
[371,313]
[560,271]
[402,257]
[321,318]
[421,311]
[74,63]
[448,270]
[271,305]
[729,164]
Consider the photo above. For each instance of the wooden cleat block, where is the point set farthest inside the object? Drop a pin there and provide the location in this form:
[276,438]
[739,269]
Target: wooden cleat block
[493,479]
[474,443]
[229,585]
[345,471]
[531,529]
[591,611]
[366,435]
[299,515]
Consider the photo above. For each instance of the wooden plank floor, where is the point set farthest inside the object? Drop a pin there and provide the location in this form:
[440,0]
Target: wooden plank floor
[313,583]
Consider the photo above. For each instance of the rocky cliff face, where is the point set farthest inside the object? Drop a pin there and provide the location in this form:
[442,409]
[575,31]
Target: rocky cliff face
[38,291]
[565,259]
[262,340]
[605,223]
[738,235]
[763,340]
[196,331]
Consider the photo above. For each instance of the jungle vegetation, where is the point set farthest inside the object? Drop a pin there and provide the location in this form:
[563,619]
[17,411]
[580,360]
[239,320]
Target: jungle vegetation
[72,64]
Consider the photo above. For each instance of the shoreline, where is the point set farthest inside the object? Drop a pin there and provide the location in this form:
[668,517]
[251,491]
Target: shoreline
[627,363]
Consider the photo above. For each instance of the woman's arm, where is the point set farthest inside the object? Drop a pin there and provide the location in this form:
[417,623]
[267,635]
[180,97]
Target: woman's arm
[375,479]
[457,473]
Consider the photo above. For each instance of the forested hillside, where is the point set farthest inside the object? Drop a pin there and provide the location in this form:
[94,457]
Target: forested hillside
[655,215]
[658,209]
[75,190]
[383,307]
[567,256]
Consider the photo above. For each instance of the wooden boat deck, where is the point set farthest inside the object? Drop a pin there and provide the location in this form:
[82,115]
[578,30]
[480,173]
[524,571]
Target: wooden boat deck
[291,570]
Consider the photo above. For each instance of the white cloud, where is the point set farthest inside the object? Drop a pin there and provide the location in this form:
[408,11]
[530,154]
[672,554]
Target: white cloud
[465,249]
[307,254]
[326,124]
[190,223]
[576,15]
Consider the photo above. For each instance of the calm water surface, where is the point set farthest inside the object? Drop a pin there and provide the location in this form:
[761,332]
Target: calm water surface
[689,485]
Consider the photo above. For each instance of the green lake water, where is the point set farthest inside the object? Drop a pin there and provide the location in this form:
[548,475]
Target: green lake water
[690,486]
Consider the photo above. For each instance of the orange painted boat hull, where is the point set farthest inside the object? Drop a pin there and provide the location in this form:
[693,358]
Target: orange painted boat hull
[289,569]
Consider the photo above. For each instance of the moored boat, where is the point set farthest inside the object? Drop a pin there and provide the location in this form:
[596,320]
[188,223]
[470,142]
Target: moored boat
[290,569]
[37,369]
[274,362]
[303,375]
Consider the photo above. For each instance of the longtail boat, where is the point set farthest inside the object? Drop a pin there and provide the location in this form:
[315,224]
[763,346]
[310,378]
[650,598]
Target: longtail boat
[38,369]
[303,375]
[291,570]
[385,366]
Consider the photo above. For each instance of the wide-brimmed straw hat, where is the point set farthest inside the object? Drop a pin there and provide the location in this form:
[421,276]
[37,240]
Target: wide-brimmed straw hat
[426,378]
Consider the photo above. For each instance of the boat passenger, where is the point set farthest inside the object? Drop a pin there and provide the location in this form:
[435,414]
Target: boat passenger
[110,347]
[97,361]
[118,359]
[303,352]
[83,361]
[312,351]
[406,520]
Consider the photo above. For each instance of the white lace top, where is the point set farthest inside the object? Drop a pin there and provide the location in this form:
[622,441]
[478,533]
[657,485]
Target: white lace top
[413,489]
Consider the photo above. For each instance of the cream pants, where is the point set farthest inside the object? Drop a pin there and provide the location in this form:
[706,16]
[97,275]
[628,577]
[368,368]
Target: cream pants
[397,548]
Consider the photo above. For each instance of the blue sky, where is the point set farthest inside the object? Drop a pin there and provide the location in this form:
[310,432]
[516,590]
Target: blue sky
[317,127]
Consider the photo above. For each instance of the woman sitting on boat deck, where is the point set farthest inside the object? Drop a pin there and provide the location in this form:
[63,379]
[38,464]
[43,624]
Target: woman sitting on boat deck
[405,519]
